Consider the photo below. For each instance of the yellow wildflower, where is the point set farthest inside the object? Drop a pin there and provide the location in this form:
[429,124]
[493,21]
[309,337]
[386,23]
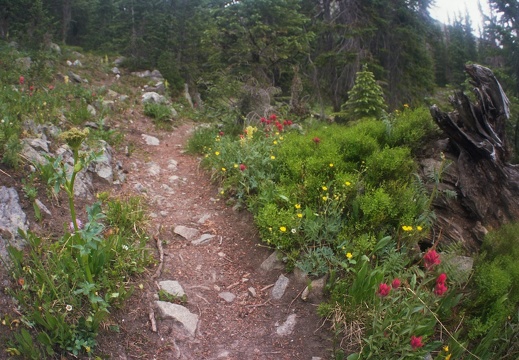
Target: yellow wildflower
[282,229]
[250,130]
[446,348]
[217,153]
[419,228]
[272,157]
[324,188]
[347,183]
[325,198]
[297,206]
[299,215]
[331,165]
[235,166]
[349,255]
[224,169]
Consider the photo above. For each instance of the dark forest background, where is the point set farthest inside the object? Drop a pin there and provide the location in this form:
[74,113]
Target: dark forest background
[319,45]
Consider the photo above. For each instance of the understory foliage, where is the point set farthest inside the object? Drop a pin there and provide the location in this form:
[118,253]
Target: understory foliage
[67,285]
[344,201]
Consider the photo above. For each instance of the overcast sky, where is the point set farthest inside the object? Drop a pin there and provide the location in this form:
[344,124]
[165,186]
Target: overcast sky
[445,9]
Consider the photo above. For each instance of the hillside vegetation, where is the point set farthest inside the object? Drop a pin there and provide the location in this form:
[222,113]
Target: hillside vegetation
[315,119]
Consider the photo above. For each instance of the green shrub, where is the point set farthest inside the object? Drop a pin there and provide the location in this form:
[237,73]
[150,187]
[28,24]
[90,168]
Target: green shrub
[389,164]
[411,128]
[201,139]
[158,112]
[167,65]
[10,144]
[495,286]
[278,227]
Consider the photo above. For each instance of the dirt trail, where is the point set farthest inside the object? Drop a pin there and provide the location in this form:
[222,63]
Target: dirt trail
[180,193]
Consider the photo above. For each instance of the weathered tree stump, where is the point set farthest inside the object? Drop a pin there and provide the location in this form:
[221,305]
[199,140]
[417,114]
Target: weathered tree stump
[488,185]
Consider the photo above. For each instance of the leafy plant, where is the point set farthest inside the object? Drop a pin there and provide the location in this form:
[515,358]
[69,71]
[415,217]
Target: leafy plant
[10,144]
[159,112]
[67,286]
[495,295]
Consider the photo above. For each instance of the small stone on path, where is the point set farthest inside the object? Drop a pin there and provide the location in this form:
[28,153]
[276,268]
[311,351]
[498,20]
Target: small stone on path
[153,169]
[227,296]
[252,291]
[272,263]
[172,164]
[187,233]
[179,313]
[139,187]
[151,140]
[288,326]
[279,287]
[172,287]
[203,239]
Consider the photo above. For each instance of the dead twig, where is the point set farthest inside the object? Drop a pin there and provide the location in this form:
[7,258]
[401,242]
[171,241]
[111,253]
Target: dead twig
[3,172]
[233,285]
[161,254]
[152,319]
[267,287]
[258,305]
[298,295]
[203,298]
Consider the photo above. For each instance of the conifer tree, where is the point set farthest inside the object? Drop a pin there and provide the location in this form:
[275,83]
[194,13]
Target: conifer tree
[366,98]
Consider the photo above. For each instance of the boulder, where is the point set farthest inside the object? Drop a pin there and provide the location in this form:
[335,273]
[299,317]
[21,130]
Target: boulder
[12,218]
[153,98]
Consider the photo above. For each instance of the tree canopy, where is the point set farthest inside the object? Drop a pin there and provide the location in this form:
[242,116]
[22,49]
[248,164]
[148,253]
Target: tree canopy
[327,41]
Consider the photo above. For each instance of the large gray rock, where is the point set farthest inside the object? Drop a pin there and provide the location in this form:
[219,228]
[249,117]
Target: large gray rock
[12,218]
[31,154]
[55,47]
[103,165]
[75,77]
[153,98]
[186,318]
[156,75]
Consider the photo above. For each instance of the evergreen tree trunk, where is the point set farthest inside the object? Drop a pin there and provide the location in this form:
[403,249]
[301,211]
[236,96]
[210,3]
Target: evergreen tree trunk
[488,186]
[67,18]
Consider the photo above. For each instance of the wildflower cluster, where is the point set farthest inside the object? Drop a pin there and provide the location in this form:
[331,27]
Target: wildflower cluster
[272,121]
[414,295]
